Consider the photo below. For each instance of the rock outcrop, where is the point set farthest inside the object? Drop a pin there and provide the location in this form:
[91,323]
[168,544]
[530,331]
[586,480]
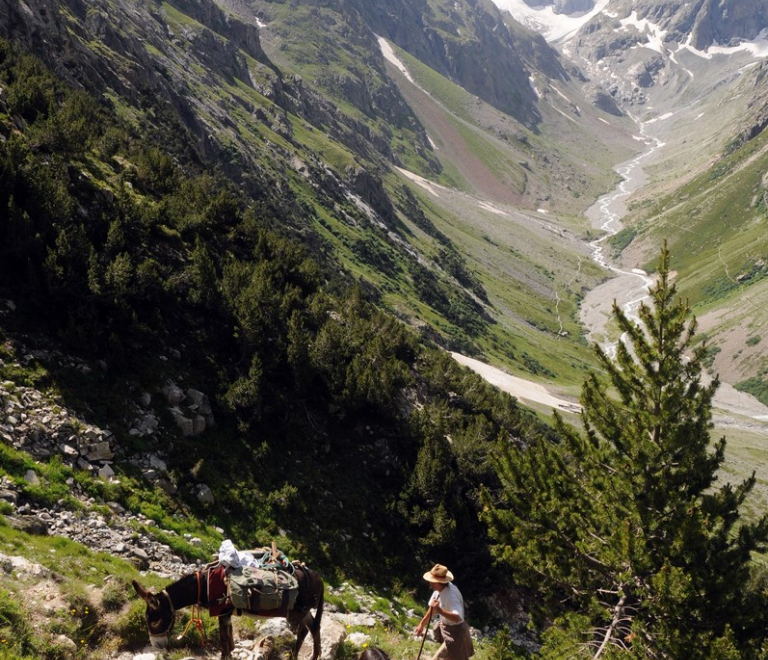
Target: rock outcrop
[470,45]
[564,6]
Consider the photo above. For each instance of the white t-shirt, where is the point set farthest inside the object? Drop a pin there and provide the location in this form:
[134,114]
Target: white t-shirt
[450,599]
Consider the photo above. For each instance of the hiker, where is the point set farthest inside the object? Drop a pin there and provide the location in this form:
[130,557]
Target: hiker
[446,602]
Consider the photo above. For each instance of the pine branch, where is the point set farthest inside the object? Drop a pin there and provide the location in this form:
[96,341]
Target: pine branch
[618,616]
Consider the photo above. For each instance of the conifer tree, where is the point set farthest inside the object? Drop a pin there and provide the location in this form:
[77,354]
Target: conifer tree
[625,521]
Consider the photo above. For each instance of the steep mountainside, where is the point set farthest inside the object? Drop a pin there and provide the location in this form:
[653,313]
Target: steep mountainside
[467,43]
[700,24]
[319,123]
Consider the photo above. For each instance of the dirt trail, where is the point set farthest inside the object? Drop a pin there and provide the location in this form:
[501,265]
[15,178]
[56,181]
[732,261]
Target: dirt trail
[517,387]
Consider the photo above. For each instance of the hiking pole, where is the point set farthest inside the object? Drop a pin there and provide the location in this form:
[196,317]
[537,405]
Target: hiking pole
[424,637]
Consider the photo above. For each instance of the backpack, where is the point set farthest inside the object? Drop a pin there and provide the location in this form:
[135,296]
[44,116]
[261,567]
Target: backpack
[258,590]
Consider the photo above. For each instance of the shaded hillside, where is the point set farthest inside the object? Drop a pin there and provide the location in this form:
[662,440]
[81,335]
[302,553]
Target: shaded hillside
[123,275]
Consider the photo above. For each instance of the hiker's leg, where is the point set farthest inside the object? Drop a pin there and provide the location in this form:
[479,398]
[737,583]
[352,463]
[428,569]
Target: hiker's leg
[441,653]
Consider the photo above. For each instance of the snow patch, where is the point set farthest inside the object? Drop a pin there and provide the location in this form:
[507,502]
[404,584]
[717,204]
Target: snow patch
[666,115]
[560,93]
[491,208]
[758,47]
[532,81]
[652,31]
[517,387]
[568,117]
[553,27]
[432,188]
[389,55]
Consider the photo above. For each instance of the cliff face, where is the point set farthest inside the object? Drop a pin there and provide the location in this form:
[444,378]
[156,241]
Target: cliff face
[701,23]
[641,43]
[706,22]
[467,42]
[136,33]
[563,6]
[728,22]
[129,49]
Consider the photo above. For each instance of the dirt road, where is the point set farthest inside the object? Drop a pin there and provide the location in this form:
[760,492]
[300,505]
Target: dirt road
[520,388]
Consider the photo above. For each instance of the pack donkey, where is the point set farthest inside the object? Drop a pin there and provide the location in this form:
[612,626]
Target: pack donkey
[197,590]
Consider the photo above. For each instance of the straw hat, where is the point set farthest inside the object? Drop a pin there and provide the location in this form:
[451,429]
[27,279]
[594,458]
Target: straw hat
[438,573]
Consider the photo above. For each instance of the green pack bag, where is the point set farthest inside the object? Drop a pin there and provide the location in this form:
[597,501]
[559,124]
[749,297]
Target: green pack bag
[257,590]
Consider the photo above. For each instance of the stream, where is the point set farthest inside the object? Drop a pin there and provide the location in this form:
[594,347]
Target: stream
[630,287]
[627,288]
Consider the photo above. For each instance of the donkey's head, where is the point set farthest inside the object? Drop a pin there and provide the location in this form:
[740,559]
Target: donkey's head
[160,615]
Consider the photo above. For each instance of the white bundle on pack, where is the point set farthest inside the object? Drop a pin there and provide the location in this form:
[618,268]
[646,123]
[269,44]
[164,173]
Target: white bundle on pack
[231,557]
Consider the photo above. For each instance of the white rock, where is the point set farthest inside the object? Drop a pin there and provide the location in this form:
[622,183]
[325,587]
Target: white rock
[106,472]
[358,638]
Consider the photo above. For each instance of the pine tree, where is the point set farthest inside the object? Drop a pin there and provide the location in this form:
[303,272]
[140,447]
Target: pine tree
[624,520]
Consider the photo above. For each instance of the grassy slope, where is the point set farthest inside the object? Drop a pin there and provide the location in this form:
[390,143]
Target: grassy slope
[715,224]
[513,200]
[50,595]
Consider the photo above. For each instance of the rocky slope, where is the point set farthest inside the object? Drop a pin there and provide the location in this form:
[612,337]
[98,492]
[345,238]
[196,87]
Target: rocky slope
[49,431]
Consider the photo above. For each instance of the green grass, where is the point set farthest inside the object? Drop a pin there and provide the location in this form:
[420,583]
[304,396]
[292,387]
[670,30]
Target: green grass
[756,386]
[55,488]
[746,453]
[117,622]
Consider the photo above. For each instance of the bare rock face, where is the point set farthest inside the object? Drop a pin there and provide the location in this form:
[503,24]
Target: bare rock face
[637,41]
[729,22]
[470,45]
[603,100]
[702,24]
[712,22]
[564,6]
[140,51]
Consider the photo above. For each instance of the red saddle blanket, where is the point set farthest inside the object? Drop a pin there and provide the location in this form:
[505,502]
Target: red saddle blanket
[217,591]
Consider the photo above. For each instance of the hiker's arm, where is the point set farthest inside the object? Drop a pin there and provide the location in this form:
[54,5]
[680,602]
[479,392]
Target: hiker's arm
[430,612]
[453,617]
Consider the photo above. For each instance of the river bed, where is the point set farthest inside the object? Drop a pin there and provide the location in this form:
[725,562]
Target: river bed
[628,288]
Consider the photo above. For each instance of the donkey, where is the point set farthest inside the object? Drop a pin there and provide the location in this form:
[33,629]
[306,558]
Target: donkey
[193,589]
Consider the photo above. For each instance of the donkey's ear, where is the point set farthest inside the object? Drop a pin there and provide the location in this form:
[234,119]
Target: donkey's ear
[149,598]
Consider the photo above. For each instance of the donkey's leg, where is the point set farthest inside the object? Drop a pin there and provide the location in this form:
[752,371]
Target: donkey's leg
[315,637]
[302,628]
[226,636]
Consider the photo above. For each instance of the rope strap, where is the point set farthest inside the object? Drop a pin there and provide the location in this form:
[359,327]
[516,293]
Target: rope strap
[196,616]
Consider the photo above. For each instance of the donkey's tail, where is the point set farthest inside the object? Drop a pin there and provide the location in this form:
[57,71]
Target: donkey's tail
[320,602]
